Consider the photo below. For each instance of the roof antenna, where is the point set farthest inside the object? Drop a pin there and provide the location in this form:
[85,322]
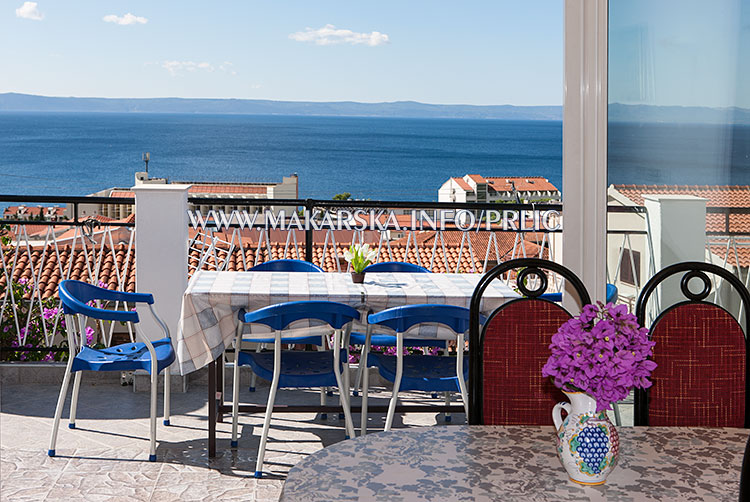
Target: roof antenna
[146,157]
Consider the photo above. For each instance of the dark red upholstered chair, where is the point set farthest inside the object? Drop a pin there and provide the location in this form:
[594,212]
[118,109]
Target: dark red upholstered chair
[506,355]
[701,351]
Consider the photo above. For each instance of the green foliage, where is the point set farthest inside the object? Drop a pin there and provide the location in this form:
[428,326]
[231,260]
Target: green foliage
[4,235]
[359,256]
[342,196]
[15,320]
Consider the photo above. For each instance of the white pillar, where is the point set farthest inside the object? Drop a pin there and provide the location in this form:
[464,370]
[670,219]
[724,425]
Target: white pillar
[161,241]
[678,233]
[585,144]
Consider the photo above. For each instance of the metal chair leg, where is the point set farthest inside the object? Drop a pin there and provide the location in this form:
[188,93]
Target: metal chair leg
[269,406]
[167,394]
[343,384]
[360,371]
[154,389]
[59,408]
[365,381]
[448,417]
[253,376]
[74,401]
[397,382]
[460,375]
[236,388]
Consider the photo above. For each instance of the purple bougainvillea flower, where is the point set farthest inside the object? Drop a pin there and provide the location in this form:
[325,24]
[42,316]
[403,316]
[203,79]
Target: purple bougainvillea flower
[603,352]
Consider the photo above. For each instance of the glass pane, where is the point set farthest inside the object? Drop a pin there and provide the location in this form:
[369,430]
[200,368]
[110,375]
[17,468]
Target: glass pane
[679,140]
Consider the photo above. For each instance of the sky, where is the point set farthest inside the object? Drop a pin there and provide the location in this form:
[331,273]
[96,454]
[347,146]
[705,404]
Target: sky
[680,52]
[662,52]
[433,51]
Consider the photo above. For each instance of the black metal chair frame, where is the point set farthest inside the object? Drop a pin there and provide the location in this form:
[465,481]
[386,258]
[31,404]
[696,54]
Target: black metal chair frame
[694,270]
[531,267]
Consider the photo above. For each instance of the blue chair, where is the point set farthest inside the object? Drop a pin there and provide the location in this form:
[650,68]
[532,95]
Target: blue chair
[294,369]
[389,340]
[286,266]
[417,372]
[611,295]
[146,355]
[395,266]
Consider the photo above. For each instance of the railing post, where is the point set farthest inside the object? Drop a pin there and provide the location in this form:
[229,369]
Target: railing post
[309,232]
[161,237]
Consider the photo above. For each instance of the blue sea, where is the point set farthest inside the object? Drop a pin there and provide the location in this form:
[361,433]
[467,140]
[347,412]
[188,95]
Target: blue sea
[373,158]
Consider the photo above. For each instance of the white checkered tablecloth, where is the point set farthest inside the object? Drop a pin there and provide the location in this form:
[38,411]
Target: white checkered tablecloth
[208,321]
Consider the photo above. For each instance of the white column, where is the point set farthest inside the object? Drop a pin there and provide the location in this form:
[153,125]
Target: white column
[161,240]
[678,233]
[585,143]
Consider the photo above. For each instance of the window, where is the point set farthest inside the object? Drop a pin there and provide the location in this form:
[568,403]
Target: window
[630,263]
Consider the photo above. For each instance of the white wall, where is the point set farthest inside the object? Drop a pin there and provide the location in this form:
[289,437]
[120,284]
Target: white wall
[161,238]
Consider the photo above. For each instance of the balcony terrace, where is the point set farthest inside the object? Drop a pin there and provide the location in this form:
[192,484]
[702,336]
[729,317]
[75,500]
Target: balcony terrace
[102,459]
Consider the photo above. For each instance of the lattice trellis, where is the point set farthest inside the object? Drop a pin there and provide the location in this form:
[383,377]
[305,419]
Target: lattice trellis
[104,256]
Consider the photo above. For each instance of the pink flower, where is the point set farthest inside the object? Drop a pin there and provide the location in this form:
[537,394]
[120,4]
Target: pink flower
[89,335]
[602,352]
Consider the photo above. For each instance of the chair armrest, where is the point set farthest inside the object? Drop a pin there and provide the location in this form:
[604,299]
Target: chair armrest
[97,313]
[106,294]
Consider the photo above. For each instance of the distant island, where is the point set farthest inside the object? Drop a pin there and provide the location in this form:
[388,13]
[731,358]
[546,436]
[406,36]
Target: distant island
[15,102]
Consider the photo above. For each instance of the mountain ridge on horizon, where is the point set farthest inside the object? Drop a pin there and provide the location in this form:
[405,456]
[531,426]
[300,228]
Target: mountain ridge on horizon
[19,102]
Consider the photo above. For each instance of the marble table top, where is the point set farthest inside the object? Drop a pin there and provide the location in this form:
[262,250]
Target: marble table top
[491,463]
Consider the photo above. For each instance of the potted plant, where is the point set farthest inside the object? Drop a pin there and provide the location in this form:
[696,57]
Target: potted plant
[359,256]
[597,358]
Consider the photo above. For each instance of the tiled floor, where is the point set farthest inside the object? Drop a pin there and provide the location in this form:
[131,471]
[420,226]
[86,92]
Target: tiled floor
[105,457]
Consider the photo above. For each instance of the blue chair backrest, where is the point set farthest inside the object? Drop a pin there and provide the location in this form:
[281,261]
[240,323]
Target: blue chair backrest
[76,294]
[557,297]
[395,266]
[282,315]
[400,319]
[286,266]
[611,293]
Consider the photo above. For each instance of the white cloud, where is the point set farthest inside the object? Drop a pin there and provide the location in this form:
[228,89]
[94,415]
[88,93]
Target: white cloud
[226,66]
[177,67]
[330,35]
[124,20]
[29,10]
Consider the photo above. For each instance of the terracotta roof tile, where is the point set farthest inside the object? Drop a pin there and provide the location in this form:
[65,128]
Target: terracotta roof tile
[121,193]
[239,189]
[717,195]
[731,196]
[528,184]
[78,264]
[462,184]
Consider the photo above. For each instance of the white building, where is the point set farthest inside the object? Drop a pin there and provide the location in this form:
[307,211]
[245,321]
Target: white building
[476,188]
[724,238]
[288,188]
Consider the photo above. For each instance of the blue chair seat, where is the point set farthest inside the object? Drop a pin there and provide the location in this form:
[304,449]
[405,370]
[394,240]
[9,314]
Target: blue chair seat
[124,357]
[431,374]
[298,368]
[390,341]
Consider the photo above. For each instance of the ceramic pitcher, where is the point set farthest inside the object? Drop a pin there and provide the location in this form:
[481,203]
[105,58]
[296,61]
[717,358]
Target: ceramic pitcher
[587,442]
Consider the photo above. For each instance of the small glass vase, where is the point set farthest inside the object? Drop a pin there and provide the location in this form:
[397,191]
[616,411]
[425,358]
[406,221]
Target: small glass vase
[587,442]
[358,277]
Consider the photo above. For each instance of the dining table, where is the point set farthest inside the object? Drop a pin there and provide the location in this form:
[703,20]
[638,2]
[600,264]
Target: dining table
[208,321]
[481,463]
